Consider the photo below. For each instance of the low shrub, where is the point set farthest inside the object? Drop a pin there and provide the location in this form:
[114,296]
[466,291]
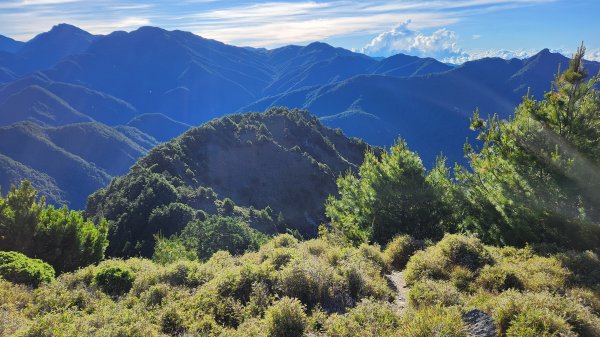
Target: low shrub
[171,322]
[283,240]
[507,306]
[311,281]
[434,293]
[399,250]
[426,264]
[155,295]
[189,273]
[466,251]
[438,262]
[18,268]
[114,281]
[433,321]
[368,319]
[585,268]
[539,323]
[260,299]
[373,254]
[543,273]
[498,278]
[286,318]
[253,327]
[170,250]
[225,311]
[462,278]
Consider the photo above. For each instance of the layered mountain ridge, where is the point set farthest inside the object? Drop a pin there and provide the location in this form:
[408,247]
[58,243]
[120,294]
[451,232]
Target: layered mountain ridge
[150,85]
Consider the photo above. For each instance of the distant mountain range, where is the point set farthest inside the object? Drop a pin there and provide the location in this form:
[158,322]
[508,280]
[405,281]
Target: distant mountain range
[69,162]
[150,85]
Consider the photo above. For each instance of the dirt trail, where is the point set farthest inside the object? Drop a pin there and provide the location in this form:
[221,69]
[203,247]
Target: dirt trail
[397,283]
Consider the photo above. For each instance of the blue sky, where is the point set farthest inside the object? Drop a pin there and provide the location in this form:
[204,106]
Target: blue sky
[451,30]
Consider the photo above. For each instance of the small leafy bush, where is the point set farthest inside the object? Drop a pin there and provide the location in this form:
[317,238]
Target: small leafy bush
[228,206]
[434,293]
[114,281]
[172,323]
[438,262]
[286,318]
[433,321]
[464,251]
[539,323]
[170,250]
[498,278]
[368,319]
[541,313]
[18,268]
[399,250]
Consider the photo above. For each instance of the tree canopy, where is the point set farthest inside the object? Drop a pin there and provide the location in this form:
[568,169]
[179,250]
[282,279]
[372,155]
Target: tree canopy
[61,237]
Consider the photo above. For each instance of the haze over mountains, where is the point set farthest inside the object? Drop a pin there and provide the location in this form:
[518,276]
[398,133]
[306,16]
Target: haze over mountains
[133,90]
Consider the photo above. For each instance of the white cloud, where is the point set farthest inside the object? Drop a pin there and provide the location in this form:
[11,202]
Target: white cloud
[401,39]
[593,55]
[501,53]
[442,44]
[262,24]
[105,27]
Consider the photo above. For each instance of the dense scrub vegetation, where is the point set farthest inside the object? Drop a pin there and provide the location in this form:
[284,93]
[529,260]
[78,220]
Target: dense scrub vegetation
[316,287]
[514,239]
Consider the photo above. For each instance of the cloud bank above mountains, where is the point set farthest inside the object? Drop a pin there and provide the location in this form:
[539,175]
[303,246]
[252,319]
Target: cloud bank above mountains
[442,44]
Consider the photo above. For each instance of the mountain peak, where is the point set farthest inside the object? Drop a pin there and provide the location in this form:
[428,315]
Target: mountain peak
[319,45]
[150,30]
[546,53]
[65,27]
[62,34]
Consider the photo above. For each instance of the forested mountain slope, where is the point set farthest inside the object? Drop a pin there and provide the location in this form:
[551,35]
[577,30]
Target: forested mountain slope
[66,163]
[283,160]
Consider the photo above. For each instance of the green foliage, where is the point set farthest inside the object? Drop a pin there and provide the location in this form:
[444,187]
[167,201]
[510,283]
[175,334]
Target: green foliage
[66,240]
[18,268]
[228,206]
[540,314]
[536,178]
[499,278]
[433,321]
[399,250]
[368,319]
[526,293]
[168,218]
[220,233]
[534,323]
[61,237]
[287,287]
[390,195]
[286,318]
[129,209]
[439,261]
[434,293]
[20,213]
[114,281]
[172,323]
[170,250]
